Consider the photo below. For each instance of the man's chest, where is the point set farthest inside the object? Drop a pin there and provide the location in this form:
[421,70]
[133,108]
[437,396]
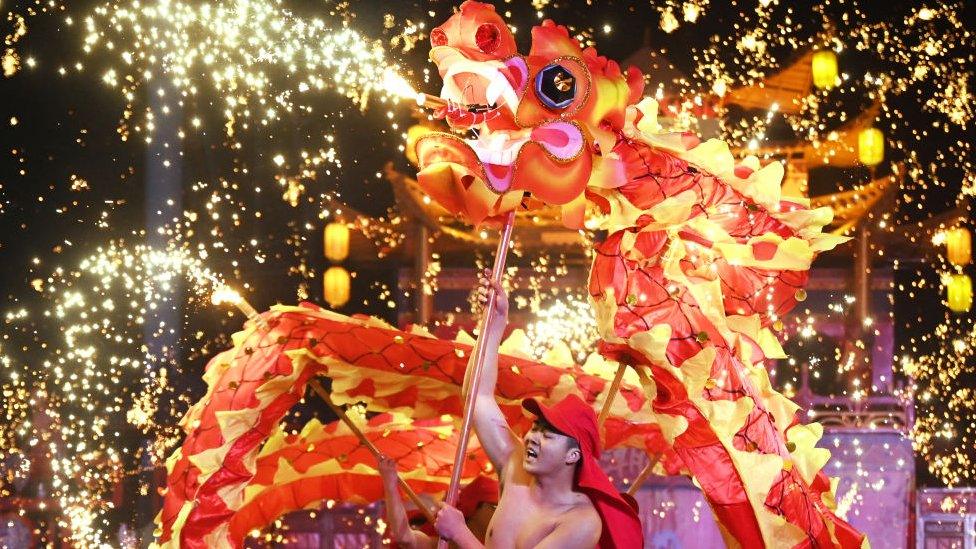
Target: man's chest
[519,522]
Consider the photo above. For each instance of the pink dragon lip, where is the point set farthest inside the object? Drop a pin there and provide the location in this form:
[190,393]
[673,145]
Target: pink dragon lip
[500,150]
[562,140]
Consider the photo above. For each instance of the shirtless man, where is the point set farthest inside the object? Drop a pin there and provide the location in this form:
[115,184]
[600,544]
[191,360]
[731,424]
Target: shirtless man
[554,494]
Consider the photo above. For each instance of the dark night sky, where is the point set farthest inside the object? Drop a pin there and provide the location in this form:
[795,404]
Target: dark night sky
[67,127]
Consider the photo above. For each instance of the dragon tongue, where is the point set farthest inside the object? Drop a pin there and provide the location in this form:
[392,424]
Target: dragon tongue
[561,139]
[499,177]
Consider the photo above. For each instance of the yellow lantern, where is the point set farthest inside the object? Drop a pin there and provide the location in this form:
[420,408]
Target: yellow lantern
[336,284]
[870,146]
[960,293]
[824,67]
[336,241]
[959,246]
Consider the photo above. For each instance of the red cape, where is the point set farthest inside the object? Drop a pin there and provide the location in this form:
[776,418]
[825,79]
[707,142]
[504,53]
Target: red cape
[480,490]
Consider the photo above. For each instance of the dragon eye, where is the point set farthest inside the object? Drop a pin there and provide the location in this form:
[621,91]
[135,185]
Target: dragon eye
[487,38]
[556,86]
[438,38]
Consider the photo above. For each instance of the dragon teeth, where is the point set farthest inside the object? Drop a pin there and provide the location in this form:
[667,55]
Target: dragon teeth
[495,89]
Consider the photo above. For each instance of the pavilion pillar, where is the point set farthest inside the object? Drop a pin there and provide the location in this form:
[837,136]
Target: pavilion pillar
[862,276]
[860,341]
[424,303]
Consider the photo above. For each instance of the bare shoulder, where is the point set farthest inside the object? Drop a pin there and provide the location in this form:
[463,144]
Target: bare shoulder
[585,520]
[578,526]
[581,515]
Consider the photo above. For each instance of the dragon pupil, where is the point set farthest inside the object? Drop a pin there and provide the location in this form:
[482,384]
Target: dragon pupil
[555,86]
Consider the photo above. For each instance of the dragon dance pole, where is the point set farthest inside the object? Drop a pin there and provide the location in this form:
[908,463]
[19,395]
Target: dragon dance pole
[225,294]
[646,472]
[649,468]
[324,395]
[612,394]
[475,378]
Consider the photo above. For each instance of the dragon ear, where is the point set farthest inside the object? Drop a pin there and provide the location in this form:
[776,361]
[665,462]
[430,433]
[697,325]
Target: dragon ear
[550,41]
[635,81]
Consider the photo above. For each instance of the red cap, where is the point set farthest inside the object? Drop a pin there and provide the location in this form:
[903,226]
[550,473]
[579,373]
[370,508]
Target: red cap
[574,418]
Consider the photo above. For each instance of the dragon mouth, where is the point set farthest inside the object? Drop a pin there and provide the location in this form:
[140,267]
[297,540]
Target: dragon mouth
[563,141]
[499,157]
[483,96]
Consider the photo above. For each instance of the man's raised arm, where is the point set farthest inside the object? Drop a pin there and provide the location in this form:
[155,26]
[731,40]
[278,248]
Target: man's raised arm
[493,431]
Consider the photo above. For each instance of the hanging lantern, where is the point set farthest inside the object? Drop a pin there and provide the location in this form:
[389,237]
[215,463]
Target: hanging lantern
[824,67]
[960,293]
[336,241]
[959,246]
[870,146]
[335,285]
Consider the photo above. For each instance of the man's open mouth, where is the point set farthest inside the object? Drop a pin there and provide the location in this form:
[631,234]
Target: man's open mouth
[531,453]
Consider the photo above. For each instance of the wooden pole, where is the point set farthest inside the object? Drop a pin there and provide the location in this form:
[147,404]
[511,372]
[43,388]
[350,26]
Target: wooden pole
[475,378]
[646,472]
[862,277]
[324,395]
[612,394]
[425,100]
[649,468]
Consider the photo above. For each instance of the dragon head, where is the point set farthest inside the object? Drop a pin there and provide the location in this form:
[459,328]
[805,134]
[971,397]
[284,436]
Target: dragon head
[537,124]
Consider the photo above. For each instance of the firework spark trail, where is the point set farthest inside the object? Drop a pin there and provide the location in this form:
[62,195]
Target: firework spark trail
[568,321]
[258,67]
[254,54]
[940,377]
[98,381]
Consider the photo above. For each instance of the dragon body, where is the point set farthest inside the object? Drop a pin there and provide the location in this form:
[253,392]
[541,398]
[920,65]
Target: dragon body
[236,471]
[702,257]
